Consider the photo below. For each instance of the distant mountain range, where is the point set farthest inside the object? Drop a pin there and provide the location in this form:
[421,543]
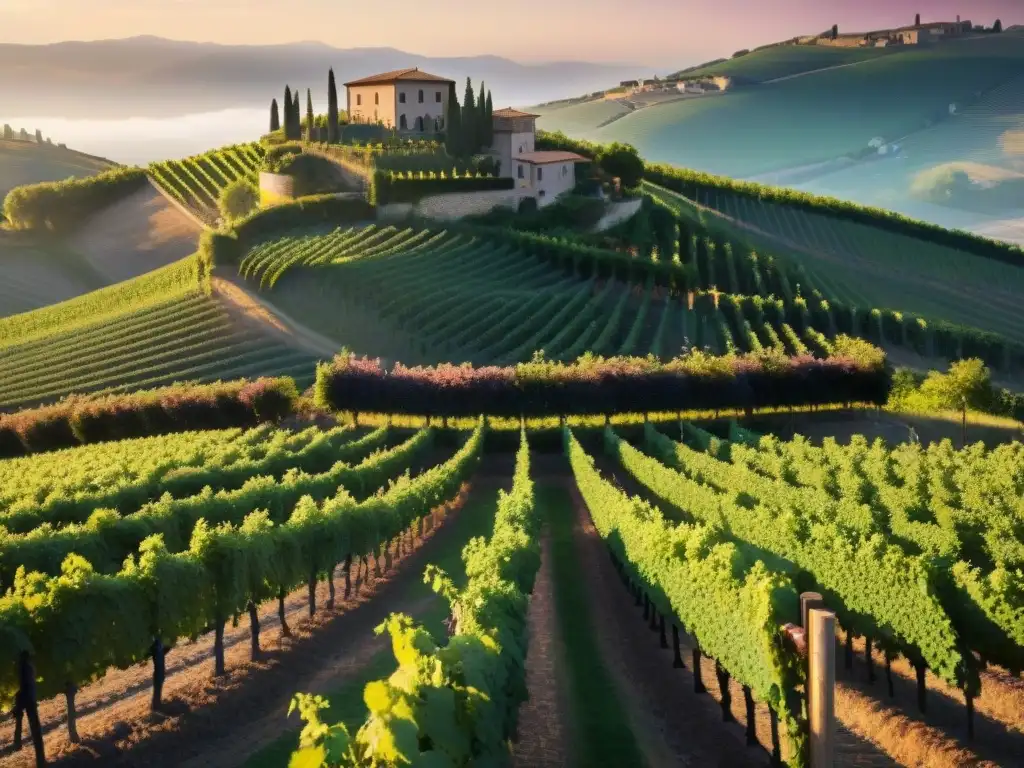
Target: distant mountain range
[152,76]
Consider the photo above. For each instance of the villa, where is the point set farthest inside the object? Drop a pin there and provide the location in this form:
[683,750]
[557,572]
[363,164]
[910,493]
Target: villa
[406,99]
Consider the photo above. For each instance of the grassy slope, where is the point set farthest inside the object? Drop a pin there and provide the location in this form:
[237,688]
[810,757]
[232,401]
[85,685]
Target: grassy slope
[25,162]
[985,138]
[149,331]
[786,60]
[818,117]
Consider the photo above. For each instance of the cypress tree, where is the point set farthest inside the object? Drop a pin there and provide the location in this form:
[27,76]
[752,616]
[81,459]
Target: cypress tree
[453,125]
[275,118]
[296,116]
[917,20]
[998,26]
[8,131]
[287,112]
[39,136]
[489,122]
[469,121]
[481,118]
[332,108]
[310,120]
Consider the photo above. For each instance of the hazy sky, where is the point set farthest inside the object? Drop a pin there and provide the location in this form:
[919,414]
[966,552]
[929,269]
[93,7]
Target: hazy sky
[661,33]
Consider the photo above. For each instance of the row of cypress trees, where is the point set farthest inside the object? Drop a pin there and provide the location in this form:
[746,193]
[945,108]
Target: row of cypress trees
[293,115]
[470,126]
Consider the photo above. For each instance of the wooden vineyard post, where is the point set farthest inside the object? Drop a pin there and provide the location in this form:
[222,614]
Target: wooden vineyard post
[821,680]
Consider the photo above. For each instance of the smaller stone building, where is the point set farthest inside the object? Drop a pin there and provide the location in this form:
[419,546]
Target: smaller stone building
[546,175]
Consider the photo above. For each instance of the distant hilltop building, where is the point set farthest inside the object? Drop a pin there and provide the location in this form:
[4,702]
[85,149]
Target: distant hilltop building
[407,99]
[914,34]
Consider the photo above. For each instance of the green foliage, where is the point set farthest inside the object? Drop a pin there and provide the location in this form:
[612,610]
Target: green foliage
[732,605]
[623,162]
[332,108]
[197,182]
[60,206]
[245,556]
[238,199]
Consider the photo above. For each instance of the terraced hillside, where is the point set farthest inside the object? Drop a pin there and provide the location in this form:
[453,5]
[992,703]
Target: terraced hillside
[159,328]
[425,295]
[196,182]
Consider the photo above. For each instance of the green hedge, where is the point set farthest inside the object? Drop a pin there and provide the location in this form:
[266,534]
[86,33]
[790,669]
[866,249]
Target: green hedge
[60,206]
[178,408]
[689,183]
[386,188]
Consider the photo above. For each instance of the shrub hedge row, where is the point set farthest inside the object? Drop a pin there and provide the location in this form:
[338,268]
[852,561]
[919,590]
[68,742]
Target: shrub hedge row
[689,183]
[596,386]
[385,189]
[59,206]
[228,247]
[180,408]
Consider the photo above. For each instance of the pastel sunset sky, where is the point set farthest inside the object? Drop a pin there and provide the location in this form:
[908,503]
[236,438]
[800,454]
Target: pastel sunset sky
[658,33]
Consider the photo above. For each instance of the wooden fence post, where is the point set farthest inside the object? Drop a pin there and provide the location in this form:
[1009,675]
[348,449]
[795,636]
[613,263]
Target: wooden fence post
[821,679]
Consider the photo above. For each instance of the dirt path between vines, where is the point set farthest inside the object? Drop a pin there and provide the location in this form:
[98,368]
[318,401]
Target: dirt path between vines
[257,312]
[214,723]
[543,727]
[674,726]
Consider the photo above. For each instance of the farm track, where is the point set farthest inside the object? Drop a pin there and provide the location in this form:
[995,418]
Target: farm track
[543,724]
[249,703]
[673,725]
[254,311]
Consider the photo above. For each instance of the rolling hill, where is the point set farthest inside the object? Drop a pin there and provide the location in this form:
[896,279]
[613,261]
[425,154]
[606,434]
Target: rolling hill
[26,162]
[815,118]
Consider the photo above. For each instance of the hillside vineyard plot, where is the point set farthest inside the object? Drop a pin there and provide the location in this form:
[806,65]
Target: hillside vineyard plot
[291,509]
[907,545]
[422,296]
[154,330]
[196,182]
[886,287]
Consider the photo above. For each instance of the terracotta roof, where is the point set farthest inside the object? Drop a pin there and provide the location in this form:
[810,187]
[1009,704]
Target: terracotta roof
[509,112]
[551,156]
[410,74]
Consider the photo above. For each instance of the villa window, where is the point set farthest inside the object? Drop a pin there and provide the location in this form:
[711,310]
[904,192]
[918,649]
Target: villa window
[376,98]
[437,97]
[540,174]
[401,98]
[359,100]
[421,95]
[401,122]
[521,172]
[565,170]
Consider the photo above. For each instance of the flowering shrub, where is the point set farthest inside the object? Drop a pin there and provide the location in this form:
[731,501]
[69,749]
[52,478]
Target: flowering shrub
[605,385]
